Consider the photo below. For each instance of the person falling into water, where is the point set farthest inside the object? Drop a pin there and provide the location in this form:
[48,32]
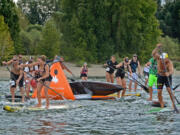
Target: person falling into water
[134,64]
[43,78]
[122,69]
[165,70]
[110,67]
[152,65]
[84,72]
[16,76]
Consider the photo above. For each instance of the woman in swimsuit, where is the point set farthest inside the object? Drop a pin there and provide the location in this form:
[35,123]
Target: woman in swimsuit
[84,72]
[43,78]
[122,69]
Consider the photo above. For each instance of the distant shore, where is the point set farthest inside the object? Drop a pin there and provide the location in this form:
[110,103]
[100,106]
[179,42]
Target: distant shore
[95,71]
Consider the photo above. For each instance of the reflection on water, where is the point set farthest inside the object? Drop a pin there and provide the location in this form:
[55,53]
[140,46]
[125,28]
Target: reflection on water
[111,117]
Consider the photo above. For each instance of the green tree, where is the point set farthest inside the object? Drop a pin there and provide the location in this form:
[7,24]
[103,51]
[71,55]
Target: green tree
[6,43]
[8,10]
[50,43]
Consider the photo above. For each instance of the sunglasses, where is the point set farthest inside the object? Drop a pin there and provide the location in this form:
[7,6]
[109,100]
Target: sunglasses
[14,60]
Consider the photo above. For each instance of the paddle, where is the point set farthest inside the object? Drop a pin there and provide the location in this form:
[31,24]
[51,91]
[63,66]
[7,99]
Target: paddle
[165,68]
[176,87]
[133,79]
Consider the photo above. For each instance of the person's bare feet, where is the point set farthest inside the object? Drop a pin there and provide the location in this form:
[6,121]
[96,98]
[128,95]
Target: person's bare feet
[149,99]
[38,106]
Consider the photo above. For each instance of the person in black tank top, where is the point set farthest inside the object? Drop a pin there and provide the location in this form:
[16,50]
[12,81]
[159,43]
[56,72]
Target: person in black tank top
[110,67]
[134,64]
[122,68]
[43,77]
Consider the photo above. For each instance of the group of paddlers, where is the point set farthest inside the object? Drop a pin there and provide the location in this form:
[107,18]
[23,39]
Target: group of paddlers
[158,71]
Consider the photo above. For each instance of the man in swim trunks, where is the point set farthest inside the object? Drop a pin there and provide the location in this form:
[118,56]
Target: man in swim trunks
[152,75]
[165,70]
[110,67]
[134,64]
[16,77]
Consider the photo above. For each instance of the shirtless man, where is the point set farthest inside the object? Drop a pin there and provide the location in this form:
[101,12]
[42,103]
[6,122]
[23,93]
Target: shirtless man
[165,70]
[16,74]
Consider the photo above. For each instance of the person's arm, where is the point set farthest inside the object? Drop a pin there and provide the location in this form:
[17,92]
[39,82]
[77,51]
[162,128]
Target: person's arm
[139,68]
[47,73]
[29,65]
[119,65]
[170,68]
[129,68]
[155,51]
[148,64]
[66,68]
[8,62]
[20,77]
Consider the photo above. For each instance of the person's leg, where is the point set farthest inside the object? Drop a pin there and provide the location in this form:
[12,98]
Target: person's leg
[12,89]
[27,87]
[171,96]
[22,93]
[124,86]
[135,84]
[160,97]
[47,83]
[118,80]
[39,87]
[130,85]
[108,77]
[112,78]
[150,84]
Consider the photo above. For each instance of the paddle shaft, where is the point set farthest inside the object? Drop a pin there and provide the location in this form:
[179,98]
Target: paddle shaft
[133,79]
[165,68]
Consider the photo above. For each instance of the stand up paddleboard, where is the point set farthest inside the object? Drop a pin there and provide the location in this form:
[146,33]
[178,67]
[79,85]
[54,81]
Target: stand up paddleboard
[157,109]
[43,108]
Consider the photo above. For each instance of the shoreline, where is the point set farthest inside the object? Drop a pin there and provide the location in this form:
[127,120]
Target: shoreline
[96,71]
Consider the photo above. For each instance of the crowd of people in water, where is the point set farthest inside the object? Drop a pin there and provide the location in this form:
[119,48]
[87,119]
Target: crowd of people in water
[36,74]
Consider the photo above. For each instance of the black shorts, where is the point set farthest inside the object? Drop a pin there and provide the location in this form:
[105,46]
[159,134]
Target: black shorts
[47,79]
[83,75]
[120,74]
[163,80]
[14,78]
[145,74]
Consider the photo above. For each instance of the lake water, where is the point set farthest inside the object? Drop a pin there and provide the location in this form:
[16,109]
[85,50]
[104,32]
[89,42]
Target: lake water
[109,117]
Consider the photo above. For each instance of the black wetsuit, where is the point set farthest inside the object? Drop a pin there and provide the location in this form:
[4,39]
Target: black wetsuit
[121,71]
[111,66]
[38,75]
[133,66]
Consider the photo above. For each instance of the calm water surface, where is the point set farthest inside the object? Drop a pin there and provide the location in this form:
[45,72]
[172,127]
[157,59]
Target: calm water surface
[127,116]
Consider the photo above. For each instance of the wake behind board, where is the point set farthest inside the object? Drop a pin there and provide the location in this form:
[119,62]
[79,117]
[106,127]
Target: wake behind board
[43,108]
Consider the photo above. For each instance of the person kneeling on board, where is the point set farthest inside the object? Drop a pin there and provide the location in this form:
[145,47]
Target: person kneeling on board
[165,71]
[122,69]
[43,78]
[152,75]
[16,76]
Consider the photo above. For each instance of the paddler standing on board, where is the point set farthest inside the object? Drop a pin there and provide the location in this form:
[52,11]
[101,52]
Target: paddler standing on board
[43,78]
[84,72]
[110,67]
[16,76]
[122,69]
[165,71]
[134,64]
[152,64]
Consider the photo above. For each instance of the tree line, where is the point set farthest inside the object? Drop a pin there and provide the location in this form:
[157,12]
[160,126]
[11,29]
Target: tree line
[87,30]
